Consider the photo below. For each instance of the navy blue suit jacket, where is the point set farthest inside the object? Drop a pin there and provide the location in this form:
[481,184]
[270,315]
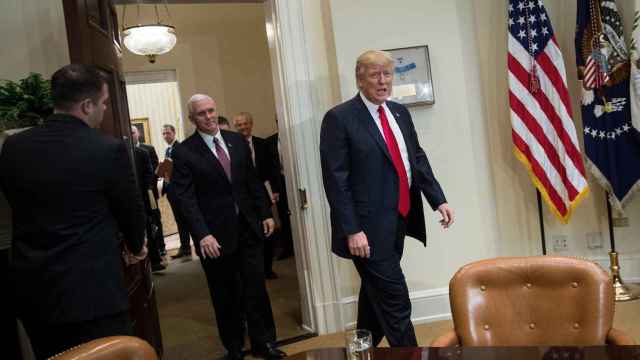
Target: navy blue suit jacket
[208,199]
[72,190]
[361,182]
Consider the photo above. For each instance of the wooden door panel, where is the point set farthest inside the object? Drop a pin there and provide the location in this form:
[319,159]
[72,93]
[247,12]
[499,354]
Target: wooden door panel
[92,31]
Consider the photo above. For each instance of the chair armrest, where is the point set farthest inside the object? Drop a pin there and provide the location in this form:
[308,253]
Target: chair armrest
[619,337]
[113,347]
[450,338]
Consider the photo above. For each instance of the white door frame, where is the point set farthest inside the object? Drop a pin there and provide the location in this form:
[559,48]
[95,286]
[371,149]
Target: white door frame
[300,111]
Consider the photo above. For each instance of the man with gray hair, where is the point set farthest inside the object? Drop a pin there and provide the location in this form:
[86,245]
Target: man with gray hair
[373,171]
[226,210]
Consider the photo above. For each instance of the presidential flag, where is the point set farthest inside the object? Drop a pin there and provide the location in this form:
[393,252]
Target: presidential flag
[634,80]
[543,132]
[612,144]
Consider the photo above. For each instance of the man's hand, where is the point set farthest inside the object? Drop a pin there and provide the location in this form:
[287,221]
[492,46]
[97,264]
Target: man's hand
[359,245]
[275,197]
[447,215]
[130,259]
[268,226]
[209,247]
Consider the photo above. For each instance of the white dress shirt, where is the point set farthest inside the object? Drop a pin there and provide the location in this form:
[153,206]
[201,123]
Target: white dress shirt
[393,124]
[208,139]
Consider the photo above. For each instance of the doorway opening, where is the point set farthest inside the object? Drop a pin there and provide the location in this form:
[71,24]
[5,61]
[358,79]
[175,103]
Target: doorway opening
[222,51]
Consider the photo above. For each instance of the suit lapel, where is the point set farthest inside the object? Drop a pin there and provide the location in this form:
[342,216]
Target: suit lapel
[369,123]
[207,153]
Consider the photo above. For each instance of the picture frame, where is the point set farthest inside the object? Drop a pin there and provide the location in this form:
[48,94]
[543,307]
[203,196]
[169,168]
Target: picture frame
[143,129]
[412,81]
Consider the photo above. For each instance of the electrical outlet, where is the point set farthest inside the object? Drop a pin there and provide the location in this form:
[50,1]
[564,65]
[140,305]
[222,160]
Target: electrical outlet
[621,222]
[560,243]
[594,240]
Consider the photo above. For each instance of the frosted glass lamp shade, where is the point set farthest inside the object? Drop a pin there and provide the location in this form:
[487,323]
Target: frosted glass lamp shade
[149,40]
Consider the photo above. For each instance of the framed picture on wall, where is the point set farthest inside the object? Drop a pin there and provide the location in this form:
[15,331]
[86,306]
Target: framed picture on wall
[412,83]
[143,129]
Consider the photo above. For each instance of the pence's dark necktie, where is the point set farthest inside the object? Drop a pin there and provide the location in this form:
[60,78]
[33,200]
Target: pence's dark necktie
[223,158]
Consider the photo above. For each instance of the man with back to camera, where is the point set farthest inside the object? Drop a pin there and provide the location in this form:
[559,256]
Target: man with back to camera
[373,171]
[169,136]
[71,189]
[228,216]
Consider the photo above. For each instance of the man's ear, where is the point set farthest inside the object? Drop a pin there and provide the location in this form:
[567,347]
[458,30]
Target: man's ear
[87,106]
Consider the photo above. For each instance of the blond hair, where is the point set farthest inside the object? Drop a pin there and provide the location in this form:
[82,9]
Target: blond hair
[372,57]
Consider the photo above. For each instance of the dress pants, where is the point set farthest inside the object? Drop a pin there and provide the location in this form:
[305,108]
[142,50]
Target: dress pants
[181,222]
[384,307]
[155,237]
[236,284]
[50,339]
[284,234]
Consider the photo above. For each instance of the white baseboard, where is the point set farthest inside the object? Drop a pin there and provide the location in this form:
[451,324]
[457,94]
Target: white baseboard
[426,306]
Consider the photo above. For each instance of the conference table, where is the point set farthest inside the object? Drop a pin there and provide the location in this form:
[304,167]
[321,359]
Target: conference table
[483,353]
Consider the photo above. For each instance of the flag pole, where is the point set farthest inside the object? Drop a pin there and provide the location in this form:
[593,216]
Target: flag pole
[542,235]
[622,291]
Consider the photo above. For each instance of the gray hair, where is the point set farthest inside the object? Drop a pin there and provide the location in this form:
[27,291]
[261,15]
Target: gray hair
[194,98]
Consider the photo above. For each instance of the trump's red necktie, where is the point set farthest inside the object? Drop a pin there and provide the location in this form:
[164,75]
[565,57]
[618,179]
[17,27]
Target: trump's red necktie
[404,201]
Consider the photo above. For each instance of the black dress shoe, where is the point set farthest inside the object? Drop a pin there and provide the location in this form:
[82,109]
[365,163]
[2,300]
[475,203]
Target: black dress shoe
[269,352]
[234,355]
[181,253]
[157,267]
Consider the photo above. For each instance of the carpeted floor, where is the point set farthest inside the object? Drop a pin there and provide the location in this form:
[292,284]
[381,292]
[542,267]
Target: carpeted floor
[627,318]
[186,314]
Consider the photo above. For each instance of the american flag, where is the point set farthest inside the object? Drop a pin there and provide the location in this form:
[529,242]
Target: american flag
[543,132]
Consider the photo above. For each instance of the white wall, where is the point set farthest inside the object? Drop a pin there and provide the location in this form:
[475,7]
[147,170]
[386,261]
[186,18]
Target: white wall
[452,132]
[34,38]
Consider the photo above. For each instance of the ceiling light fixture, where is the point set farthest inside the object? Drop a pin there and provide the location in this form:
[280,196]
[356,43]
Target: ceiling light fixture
[149,40]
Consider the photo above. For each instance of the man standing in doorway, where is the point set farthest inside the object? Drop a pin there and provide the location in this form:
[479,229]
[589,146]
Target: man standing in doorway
[72,190]
[228,216]
[373,171]
[169,135]
[267,174]
[155,218]
[146,180]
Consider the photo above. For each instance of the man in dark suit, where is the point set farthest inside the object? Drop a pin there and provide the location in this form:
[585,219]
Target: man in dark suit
[146,180]
[71,190]
[267,174]
[226,209]
[155,219]
[279,190]
[373,171]
[169,135]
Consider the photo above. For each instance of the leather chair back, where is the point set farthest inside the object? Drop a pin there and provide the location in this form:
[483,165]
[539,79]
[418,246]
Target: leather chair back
[107,348]
[541,300]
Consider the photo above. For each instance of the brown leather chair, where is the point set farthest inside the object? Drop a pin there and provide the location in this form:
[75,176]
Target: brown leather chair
[113,347]
[540,300]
